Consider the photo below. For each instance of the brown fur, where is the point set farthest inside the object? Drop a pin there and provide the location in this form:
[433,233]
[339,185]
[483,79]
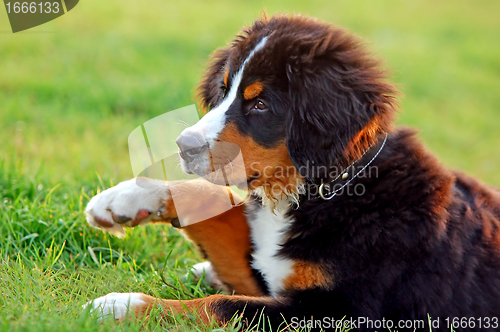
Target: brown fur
[278,176]
[253,90]
[306,275]
[225,241]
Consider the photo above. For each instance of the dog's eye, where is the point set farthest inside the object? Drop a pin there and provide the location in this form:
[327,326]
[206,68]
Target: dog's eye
[224,90]
[260,106]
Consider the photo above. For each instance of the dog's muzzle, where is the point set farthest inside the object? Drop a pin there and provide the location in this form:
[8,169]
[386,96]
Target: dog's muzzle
[190,146]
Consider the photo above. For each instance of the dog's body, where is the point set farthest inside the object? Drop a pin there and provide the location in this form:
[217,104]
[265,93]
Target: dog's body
[418,240]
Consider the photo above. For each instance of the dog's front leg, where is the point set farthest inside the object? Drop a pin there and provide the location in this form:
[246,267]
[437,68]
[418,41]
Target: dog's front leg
[129,204]
[140,201]
[224,239]
[218,308]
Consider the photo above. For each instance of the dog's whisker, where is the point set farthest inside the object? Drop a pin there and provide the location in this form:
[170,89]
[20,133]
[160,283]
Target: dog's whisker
[183,123]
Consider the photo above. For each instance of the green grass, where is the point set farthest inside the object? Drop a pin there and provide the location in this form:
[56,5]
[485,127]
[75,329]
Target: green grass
[73,89]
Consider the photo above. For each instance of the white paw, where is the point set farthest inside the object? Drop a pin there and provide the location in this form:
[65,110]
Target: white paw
[210,276]
[126,204]
[115,305]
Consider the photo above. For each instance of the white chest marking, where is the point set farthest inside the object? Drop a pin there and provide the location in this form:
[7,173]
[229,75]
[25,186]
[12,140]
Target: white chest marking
[267,231]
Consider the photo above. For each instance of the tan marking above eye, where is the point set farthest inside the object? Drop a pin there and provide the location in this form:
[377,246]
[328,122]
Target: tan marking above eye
[253,90]
[226,77]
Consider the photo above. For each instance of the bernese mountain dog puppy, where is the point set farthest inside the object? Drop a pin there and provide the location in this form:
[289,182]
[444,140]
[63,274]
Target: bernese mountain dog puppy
[349,217]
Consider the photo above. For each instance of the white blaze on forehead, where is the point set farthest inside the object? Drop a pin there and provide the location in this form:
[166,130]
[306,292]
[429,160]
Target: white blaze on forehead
[213,122]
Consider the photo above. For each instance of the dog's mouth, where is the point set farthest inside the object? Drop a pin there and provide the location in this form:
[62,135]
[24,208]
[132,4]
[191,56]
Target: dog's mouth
[220,163]
[251,179]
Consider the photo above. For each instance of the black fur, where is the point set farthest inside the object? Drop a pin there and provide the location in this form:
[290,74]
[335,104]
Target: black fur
[420,241]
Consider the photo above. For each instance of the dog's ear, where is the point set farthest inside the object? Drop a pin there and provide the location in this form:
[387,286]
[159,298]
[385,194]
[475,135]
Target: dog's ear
[210,90]
[340,102]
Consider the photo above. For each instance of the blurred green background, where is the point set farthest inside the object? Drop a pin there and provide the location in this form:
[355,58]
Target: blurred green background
[73,89]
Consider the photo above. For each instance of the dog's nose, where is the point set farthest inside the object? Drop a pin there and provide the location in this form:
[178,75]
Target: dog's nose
[190,145]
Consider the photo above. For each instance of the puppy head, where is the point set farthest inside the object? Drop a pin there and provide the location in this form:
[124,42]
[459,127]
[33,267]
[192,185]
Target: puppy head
[292,94]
